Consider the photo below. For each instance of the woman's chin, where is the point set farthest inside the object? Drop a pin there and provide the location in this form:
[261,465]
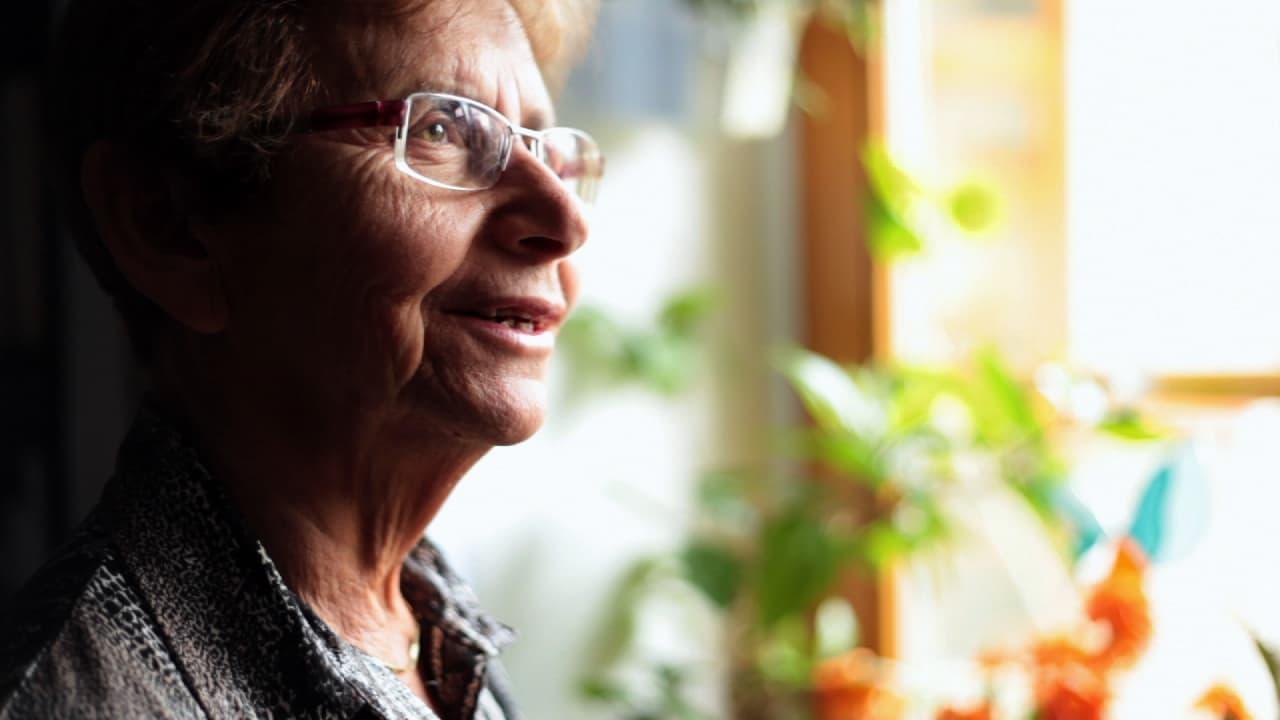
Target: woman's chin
[501,413]
[522,414]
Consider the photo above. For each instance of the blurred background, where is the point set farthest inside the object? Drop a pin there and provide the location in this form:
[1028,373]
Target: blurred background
[923,367]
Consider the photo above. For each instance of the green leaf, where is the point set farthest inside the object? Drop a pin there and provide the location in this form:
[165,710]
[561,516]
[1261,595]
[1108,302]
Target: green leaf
[883,543]
[1173,513]
[616,629]
[974,207]
[662,362]
[916,524]
[784,655]
[1002,406]
[1040,490]
[887,179]
[798,562]
[846,453]
[1272,661]
[892,195]
[675,706]
[591,344]
[713,569]
[664,357]
[1129,424]
[725,497]
[684,314]
[600,689]
[591,335]
[832,396]
[889,236]
[914,392]
[1085,526]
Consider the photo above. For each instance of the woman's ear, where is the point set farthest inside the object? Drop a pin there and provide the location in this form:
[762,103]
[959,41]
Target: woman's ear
[147,229]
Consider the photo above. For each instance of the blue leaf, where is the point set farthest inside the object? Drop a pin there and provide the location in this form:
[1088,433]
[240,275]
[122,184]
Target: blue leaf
[1088,531]
[1174,510]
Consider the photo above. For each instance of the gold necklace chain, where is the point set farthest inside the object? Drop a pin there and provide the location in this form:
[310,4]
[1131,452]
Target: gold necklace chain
[415,648]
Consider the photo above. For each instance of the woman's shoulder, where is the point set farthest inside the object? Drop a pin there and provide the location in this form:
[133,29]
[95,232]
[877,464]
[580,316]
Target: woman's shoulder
[79,640]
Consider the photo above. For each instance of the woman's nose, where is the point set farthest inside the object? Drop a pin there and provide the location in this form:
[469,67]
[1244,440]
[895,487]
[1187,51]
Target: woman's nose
[552,221]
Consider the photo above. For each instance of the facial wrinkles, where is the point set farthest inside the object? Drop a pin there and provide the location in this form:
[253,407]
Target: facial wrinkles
[435,233]
[468,76]
[466,391]
[507,100]
[521,98]
[377,232]
[360,291]
[375,45]
[451,230]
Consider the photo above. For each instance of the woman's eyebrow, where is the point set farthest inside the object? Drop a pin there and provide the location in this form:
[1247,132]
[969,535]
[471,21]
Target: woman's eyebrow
[444,86]
[532,119]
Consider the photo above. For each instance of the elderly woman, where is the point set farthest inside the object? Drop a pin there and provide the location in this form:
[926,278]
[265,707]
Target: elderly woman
[339,234]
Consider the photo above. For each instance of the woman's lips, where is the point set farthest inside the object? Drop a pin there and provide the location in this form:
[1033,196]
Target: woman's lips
[512,338]
[524,324]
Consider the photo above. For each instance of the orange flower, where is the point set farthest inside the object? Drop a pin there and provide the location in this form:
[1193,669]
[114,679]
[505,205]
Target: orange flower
[1223,702]
[979,712]
[848,687]
[1072,678]
[1071,692]
[1120,603]
[1070,683]
[993,659]
[1058,651]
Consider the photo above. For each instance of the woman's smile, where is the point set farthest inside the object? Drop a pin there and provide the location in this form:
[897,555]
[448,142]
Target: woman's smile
[524,325]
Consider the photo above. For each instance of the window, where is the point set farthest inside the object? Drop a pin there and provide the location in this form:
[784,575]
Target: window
[1136,148]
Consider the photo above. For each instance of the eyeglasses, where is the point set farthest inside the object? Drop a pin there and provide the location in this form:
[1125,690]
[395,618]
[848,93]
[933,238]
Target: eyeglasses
[457,143]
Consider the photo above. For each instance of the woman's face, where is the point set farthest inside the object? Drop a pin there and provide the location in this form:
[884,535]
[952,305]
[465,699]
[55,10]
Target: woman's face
[359,293]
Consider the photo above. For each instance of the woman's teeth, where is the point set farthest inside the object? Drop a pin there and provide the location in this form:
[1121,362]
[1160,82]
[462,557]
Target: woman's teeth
[518,324]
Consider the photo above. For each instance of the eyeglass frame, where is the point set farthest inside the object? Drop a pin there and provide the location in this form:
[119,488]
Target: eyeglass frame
[395,113]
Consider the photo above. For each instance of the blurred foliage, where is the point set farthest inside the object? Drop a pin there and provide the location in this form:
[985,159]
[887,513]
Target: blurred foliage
[1129,424]
[865,482]
[868,478]
[602,352]
[1271,660]
[902,212]
[668,701]
[1172,514]
[868,483]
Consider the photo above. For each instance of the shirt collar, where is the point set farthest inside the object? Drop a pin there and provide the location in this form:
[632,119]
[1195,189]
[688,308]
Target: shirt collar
[243,639]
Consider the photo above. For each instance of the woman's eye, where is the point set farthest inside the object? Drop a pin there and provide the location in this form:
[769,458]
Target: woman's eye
[437,132]
[439,129]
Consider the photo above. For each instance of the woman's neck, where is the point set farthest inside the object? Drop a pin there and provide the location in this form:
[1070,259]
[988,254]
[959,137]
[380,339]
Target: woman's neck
[337,511]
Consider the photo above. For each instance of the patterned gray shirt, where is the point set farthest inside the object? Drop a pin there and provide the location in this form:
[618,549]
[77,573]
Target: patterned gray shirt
[164,605]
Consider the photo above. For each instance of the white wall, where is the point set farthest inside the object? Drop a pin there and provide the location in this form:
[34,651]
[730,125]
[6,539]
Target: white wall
[1173,137]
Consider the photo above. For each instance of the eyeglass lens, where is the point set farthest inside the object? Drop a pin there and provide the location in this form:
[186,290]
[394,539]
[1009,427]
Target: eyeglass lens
[574,158]
[464,145]
[451,142]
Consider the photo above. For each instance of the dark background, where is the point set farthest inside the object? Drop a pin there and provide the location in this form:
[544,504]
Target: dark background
[67,385]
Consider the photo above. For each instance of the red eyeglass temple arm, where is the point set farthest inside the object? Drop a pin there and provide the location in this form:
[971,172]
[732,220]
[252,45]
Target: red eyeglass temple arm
[378,113]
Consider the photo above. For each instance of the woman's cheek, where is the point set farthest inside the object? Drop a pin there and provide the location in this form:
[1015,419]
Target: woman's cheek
[398,309]
[404,354]
[569,282]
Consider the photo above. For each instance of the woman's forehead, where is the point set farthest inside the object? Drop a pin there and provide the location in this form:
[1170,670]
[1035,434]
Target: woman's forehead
[474,48]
